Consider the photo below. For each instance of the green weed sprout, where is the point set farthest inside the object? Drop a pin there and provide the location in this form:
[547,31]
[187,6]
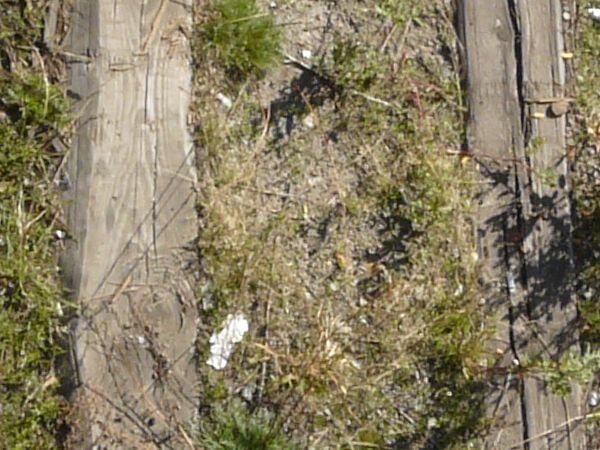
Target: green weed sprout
[238,429]
[245,40]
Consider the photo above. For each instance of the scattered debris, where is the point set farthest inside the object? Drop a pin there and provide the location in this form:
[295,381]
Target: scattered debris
[594,399]
[306,54]
[221,345]
[594,13]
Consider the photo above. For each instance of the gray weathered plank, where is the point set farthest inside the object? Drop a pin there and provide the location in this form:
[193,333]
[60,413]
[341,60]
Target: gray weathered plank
[494,130]
[547,244]
[131,213]
[512,49]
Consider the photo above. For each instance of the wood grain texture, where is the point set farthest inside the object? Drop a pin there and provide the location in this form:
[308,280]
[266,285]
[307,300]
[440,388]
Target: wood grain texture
[547,246]
[131,213]
[494,132]
[512,51]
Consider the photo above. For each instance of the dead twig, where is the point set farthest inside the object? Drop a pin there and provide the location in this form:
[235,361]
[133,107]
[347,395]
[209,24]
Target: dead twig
[388,37]
[556,429]
[372,99]
[154,26]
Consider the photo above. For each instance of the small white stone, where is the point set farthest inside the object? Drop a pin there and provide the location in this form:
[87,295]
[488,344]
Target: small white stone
[309,121]
[306,54]
[510,281]
[60,234]
[225,101]
[431,423]
[248,393]
[273,5]
[459,290]
[566,16]
[594,399]
[142,341]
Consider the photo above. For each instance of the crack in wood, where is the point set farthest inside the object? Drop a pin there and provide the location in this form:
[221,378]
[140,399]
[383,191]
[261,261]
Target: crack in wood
[515,261]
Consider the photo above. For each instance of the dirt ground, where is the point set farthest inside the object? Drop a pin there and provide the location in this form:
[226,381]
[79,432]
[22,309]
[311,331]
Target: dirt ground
[333,217]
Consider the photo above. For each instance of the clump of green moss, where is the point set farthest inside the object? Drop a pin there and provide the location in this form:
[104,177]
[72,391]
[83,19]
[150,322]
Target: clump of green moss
[33,111]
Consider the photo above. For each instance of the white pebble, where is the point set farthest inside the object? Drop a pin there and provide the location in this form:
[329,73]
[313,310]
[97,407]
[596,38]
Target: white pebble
[306,54]
[594,399]
[308,121]
[225,101]
[459,290]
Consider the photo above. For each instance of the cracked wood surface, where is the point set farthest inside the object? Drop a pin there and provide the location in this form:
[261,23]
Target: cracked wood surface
[512,50]
[130,208]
